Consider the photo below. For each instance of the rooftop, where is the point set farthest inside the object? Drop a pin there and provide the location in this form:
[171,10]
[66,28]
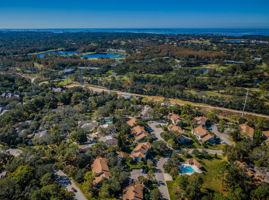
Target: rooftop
[133,191]
[200,131]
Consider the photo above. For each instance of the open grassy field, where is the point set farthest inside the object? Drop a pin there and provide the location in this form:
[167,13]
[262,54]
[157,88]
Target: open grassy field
[212,177]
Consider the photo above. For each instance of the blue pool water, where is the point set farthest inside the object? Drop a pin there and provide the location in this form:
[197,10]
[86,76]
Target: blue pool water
[204,70]
[102,55]
[109,121]
[186,169]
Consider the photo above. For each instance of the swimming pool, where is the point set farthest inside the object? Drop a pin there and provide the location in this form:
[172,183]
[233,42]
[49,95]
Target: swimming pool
[186,169]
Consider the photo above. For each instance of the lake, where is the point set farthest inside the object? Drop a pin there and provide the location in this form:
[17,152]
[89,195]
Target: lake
[72,53]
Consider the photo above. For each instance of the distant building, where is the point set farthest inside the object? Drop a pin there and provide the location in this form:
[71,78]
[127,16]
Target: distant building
[127,96]
[246,130]
[257,59]
[234,62]
[42,134]
[68,71]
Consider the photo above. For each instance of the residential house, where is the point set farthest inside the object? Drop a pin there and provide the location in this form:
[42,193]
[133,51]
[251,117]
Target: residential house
[132,121]
[101,170]
[122,155]
[147,112]
[200,132]
[208,138]
[139,133]
[133,191]
[89,126]
[141,151]
[184,139]
[175,128]
[251,172]
[203,135]
[175,118]
[246,130]
[201,121]
[109,140]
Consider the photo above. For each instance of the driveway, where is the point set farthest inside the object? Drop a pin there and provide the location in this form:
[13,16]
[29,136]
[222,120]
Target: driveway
[224,137]
[68,184]
[135,173]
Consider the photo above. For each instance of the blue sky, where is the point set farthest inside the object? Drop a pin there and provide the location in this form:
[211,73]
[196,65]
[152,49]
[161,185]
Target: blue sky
[133,13]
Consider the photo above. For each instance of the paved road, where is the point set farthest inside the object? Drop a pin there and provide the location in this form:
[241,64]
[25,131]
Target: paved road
[159,98]
[64,181]
[224,137]
[159,175]
[157,132]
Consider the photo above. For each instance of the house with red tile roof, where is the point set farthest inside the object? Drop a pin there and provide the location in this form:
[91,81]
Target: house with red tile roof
[175,118]
[246,130]
[141,151]
[194,162]
[139,133]
[134,192]
[203,135]
[132,121]
[100,169]
[201,121]
[175,128]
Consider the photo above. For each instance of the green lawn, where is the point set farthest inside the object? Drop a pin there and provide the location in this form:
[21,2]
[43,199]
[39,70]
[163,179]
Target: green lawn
[170,185]
[212,179]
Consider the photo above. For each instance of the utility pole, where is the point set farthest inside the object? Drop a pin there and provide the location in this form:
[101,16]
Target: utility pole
[245,103]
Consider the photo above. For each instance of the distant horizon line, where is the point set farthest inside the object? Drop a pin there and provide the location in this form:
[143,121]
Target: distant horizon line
[267,27]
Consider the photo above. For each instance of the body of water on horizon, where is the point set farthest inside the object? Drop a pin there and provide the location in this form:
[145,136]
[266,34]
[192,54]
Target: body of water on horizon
[214,31]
